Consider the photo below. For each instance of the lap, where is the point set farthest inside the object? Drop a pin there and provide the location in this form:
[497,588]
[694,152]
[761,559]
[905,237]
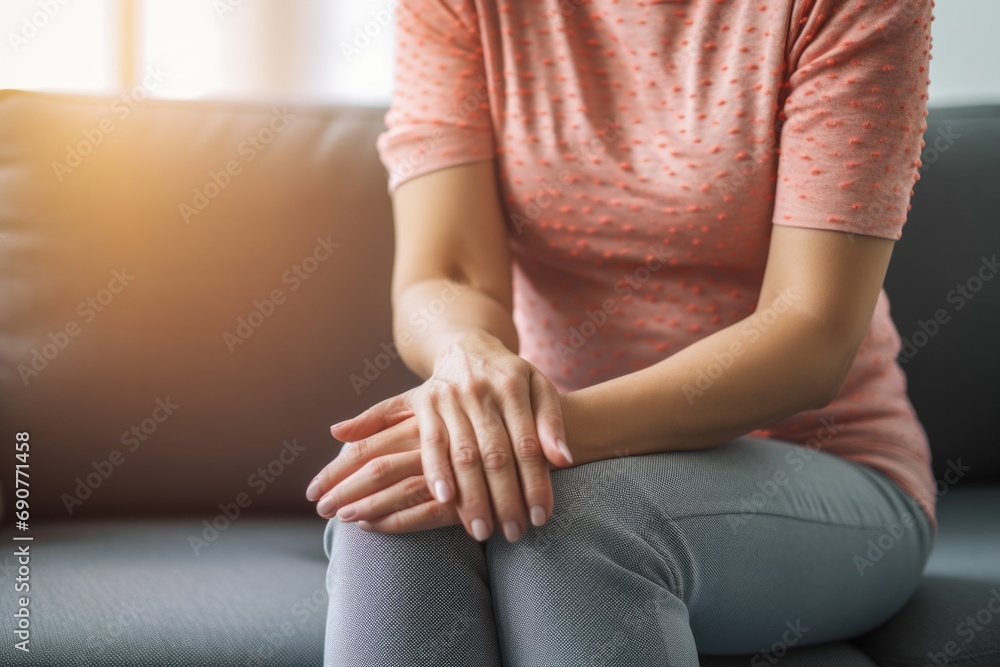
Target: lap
[759,538]
[763,541]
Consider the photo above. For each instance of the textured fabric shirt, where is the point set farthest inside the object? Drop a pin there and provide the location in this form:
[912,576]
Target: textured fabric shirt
[643,151]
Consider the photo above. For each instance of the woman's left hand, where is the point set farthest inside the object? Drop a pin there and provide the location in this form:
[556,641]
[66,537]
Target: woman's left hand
[379,482]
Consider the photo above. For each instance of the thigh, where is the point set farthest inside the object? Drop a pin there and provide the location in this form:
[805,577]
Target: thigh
[776,545]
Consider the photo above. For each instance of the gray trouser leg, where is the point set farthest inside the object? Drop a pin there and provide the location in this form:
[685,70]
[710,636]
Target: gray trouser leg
[756,546]
[408,600]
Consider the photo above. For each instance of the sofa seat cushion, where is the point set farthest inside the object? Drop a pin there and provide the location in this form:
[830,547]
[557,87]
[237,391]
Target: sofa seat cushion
[127,592]
[954,617]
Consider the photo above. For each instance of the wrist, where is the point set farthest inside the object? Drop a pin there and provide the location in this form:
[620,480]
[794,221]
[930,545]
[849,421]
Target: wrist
[465,340]
[583,432]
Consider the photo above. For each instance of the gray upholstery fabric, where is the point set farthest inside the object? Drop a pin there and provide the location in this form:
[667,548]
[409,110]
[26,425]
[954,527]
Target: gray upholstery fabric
[134,593]
[961,582]
[945,264]
[822,655]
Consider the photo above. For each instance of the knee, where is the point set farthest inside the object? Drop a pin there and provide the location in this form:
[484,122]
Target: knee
[604,518]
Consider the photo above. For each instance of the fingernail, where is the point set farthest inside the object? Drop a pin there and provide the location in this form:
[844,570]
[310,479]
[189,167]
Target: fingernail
[479,530]
[339,424]
[511,531]
[364,525]
[561,446]
[346,513]
[442,490]
[537,515]
[325,505]
[312,491]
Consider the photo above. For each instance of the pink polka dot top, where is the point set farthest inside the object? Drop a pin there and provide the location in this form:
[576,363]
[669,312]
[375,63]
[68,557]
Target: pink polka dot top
[644,148]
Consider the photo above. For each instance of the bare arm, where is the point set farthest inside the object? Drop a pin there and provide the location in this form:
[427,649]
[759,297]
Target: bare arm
[489,422]
[451,249]
[792,354]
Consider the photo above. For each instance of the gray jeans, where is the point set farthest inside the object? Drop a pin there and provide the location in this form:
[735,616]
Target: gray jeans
[754,546]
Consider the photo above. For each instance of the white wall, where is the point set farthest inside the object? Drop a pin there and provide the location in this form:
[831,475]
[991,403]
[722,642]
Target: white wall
[965,68]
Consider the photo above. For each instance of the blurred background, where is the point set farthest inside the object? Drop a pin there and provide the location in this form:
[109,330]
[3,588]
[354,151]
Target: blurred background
[319,50]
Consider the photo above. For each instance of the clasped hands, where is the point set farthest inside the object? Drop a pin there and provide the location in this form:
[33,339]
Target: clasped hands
[474,444]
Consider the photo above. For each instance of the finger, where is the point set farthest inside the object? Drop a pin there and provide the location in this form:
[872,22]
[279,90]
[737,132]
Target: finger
[532,467]
[379,473]
[547,409]
[499,469]
[434,451]
[427,516]
[399,438]
[410,492]
[376,418]
[472,498]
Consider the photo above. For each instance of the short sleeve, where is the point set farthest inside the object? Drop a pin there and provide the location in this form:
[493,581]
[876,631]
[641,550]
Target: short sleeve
[439,115]
[854,114]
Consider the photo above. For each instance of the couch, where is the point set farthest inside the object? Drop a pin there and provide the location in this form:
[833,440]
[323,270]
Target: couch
[192,292]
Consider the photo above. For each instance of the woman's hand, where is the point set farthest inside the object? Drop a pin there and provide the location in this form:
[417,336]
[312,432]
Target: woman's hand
[489,424]
[379,483]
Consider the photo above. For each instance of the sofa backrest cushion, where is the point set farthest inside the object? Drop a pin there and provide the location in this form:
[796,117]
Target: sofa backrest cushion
[944,291]
[190,294]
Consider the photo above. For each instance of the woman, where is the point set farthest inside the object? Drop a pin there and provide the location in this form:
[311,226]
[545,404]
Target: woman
[639,257]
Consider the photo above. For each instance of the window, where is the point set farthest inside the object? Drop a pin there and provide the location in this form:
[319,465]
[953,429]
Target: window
[257,49]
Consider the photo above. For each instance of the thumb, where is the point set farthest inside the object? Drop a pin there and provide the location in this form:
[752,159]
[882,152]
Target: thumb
[549,424]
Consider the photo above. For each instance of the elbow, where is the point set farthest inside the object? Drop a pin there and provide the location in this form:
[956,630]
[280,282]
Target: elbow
[825,393]
[830,375]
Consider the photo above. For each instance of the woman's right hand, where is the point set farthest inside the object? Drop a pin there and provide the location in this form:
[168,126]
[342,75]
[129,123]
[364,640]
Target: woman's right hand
[490,424]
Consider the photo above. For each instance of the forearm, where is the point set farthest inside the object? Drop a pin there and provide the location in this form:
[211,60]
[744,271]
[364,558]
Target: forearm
[766,367]
[430,314]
